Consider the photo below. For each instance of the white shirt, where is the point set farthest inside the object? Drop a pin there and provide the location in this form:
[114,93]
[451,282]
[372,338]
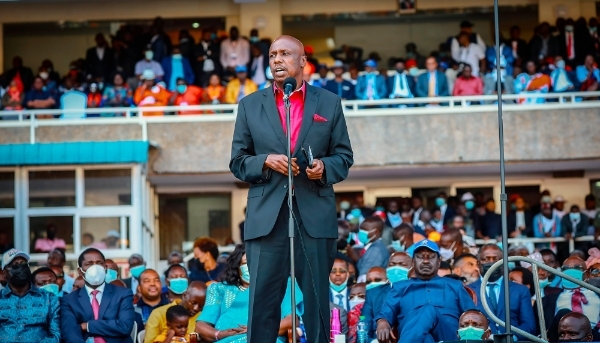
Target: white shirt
[401,89]
[235,53]
[134,285]
[590,310]
[443,209]
[100,290]
[334,297]
[471,55]
[558,213]
[548,224]
[259,75]
[100,52]
[455,46]
[520,218]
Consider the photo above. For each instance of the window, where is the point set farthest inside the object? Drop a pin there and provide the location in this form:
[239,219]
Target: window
[7,234]
[105,233]
[48,233]
[52,188]
[107,187]
[7,189]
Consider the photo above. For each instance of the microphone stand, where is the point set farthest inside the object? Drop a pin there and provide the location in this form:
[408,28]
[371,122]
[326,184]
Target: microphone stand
[286,101]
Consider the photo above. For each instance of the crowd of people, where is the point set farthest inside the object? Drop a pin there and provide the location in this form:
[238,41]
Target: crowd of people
[143,67]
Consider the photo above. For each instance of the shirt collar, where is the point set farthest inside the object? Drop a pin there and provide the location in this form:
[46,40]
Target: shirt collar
[302,89]
[100,289]
[6,291]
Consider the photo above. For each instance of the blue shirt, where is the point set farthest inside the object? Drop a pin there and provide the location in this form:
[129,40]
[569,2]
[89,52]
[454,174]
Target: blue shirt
[32,318]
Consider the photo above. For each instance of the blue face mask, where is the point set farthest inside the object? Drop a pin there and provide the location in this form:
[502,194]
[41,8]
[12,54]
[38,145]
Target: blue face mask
[149,55]
[397,246]
[111,275]
[511,265]
[356,212]
[181,89]
[178,285]
[375,284]
[470,333]
[575,216]
[245,273]
[380,208]
[213,36]
[577,274]
[544,283]
[413,72]
[469,204]
[439,202]
[363,236]
[338,288]
[397,273]
[560,64]
[254,39]
[51,288]
[137,271]
[177,56]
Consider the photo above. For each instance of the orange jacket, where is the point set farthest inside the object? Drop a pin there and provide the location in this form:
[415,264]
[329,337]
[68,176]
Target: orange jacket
[151,97]
[191,97]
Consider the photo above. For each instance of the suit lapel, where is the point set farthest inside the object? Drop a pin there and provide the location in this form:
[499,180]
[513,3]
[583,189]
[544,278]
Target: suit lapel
[86,303]
[310,105]
[270,107]
[501,308]
[106,298]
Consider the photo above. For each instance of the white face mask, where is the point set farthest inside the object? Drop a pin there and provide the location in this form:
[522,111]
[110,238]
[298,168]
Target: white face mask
[447,254]
[95,275]
[355,301]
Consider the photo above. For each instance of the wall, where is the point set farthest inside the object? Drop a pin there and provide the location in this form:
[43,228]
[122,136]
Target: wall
[198,214]
[574,9]
[265,16]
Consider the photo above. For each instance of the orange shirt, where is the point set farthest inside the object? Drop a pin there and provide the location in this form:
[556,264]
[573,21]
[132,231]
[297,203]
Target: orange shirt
[151,97]
[191,97]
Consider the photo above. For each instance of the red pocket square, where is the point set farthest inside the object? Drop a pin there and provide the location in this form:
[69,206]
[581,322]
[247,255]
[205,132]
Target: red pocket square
[319,119]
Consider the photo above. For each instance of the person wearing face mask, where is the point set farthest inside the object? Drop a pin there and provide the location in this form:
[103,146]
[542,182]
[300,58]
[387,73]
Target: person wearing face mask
[371,85]
[561,78]
[575,327]
[45,279]
[136,267]
[338,284]
[425,308]
[357,301]
[177,67]
[99,311]
[398,267]
[473,325]
[467,267]
[377,288]
[148,63]
[447,212]
[573,297]
[451,245]
[575,224]
[205,267]
[60,279]
[56,258]
[226,321]
[112,271]
[176,279]
[375,252]
[27,313]
[521,312]
[186,94]
[401,86]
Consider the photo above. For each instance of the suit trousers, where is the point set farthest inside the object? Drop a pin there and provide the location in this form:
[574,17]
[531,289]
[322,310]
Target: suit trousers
[269,265]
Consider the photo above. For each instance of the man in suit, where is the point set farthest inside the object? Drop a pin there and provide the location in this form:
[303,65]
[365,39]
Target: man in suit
[136,267]
[99,310]
[572,297]
[426,308]
[340,86]
[100,60]
[338,284]
[207,59]
[376,253]
[371,85]
[432,83]
[375,294]
[258,157]
[401,86]
[574,43]
[521,311]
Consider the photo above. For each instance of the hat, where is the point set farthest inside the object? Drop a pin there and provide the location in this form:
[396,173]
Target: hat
[371,63]
[466,23]
[148,74]
[559,198]
[514,197]
[10,255]
[113,233]
[338,64]
[241,69]
[411,64]
[426,243]
[467,196]
[309,49]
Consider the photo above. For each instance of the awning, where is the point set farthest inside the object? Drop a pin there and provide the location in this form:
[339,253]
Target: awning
[74,153]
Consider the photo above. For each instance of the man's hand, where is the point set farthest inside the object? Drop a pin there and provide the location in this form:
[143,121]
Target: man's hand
[384,332]
[316,172]
[84,327]
[279,163]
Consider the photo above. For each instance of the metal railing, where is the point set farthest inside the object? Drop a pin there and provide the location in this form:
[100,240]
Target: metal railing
[525,240]
[535,265]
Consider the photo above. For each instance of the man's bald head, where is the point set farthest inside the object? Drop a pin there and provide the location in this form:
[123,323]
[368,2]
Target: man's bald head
[574,261]
[194,298]
[376,274]
[575,327]
[287,59]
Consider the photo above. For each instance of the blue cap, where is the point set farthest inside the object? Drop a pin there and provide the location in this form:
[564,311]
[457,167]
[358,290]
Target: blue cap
[431,245]
[371,63]
[241,69]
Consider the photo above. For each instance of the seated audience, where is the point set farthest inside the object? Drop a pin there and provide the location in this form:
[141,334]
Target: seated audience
[81,311]
[27,313]
[521,312]
[532,82]
[490,81]
[240,86]
[377,287]
[551,260]
[371,85]
[473,325]
[561,79]
[38,98]
[56,258]
[575,327]
[321,82]
[151,294]
[205,267]
[467,84]
[451,245]
[112,272]
[151,94]
[186,95]
[118,94]
[466,266]
[425,308]
[60,279]
[177,67]
[214,93]
[79,283]
[87,241]
[588,75]
[12,100]
[338,284]
[432,83]
[94,98]
[45,279]
[148,63]
[357,300]
[445,269]
[338,85]
[136,268]
[401,85]
[192,301]
[398,267]
[176,278]
[376,254]
[258,66]
[177,326]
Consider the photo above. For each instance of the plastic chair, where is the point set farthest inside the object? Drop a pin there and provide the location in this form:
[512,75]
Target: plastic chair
[73,100]
[134,333]
[141,336]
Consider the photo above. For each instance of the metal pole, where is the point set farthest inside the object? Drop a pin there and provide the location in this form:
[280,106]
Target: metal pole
[291,218]
[503,197]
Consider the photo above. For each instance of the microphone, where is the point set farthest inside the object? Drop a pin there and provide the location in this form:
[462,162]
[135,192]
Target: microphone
[289,85]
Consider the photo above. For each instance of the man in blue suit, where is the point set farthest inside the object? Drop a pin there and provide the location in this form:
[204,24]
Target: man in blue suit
[401,85]
[176,66]
[99,310]
[521,311]
[371,86]
[432,83]
[343,88]
[425,308]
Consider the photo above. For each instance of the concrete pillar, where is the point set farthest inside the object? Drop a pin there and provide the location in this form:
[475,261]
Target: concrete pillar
[264,16]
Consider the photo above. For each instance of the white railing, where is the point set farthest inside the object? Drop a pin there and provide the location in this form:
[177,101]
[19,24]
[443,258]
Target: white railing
[352,108]
[526,240]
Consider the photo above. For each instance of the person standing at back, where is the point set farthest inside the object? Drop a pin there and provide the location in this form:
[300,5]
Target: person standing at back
[258,156]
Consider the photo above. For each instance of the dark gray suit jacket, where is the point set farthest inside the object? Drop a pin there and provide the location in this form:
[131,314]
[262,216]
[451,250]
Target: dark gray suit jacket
[259,132]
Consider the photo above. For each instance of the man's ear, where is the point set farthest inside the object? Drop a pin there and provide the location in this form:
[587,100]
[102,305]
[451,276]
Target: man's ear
[303,61]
